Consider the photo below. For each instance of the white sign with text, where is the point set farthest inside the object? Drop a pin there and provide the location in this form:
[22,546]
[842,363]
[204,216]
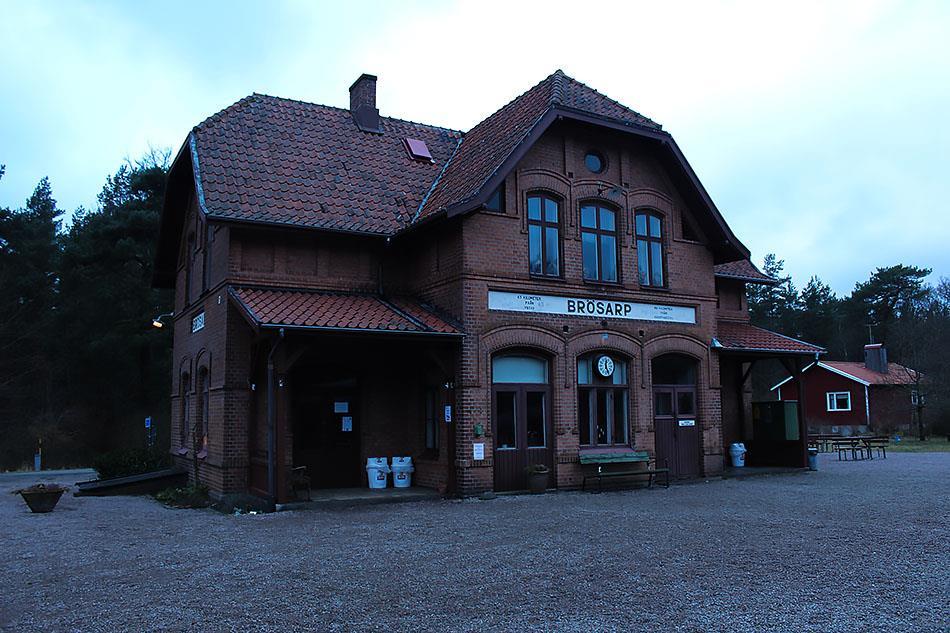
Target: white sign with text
[583,306]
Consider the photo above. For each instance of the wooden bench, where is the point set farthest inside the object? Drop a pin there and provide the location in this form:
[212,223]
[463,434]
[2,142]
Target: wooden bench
[855,446]
[621,457]
[878,444]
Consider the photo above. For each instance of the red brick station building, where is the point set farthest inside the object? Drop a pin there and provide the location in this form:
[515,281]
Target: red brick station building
[552,283]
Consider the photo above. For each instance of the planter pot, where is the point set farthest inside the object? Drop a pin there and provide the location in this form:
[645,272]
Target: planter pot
[42,501]
[537,482]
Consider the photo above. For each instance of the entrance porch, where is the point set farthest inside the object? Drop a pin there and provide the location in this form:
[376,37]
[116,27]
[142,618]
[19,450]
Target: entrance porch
[347,378]
[775,435]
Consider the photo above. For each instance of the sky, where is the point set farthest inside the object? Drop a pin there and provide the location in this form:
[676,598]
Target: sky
[820,129]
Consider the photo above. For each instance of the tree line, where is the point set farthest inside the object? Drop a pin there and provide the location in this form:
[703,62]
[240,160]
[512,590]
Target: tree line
[894,306]
[80,365]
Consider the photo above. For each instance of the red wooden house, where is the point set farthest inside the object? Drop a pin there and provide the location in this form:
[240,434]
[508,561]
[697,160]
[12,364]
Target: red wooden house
[855,398]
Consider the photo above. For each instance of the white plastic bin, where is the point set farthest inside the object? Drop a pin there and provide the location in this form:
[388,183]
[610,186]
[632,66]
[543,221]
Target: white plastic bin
[377,471]
[402,472]
[737,453]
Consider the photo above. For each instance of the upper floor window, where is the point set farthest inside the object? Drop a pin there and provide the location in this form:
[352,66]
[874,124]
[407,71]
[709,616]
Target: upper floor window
[496,202]
[544,241]
[206,259]
[595,162]
[189,262]
[599,242]
[650,249]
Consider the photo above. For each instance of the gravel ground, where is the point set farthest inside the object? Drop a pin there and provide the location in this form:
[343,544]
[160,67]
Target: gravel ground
[854,547]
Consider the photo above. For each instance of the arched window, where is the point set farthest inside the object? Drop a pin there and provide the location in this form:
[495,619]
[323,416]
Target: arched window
[602,394]
[599,242]
[184,418]
[201,422]
[650,248]
[544,241]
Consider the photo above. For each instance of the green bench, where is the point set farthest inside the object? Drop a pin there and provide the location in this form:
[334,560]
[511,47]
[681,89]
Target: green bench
[601,459]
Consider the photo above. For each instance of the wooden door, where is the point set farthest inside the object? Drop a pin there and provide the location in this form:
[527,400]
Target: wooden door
[676,429]
[522,432]
[327,437]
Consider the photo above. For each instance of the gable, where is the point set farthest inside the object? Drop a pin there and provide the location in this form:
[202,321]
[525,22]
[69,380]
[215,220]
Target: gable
[491,150]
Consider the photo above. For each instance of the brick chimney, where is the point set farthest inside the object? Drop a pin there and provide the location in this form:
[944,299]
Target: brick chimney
[875,357]
[363,103]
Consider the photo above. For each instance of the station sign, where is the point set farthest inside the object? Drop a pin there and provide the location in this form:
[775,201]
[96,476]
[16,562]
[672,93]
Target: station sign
[589,307]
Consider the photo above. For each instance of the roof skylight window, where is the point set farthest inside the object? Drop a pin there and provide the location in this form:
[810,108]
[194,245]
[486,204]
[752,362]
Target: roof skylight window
[418,150]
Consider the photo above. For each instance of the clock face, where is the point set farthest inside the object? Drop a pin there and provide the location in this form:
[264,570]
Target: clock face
[605,365]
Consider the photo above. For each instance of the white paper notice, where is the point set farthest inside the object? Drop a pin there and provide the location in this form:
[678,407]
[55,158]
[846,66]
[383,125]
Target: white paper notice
[478,452]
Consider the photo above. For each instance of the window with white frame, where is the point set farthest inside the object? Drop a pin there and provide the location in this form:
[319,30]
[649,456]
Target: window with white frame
[839,400]
[198,322]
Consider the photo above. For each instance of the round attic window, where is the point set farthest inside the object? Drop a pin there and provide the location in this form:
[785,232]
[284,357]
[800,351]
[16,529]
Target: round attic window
[594,162]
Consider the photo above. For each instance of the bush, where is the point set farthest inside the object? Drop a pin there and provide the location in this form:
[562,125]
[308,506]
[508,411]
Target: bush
[191,496]
[133,461]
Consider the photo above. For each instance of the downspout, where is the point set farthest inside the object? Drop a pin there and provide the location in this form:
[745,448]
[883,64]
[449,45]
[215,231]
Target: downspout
[271,422]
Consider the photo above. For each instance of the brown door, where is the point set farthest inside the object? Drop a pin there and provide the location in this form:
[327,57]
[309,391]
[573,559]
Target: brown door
[327,436]
[521,426]
[677,429]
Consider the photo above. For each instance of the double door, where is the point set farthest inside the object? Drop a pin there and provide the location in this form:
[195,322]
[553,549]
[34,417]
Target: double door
[521,419]
[677,430]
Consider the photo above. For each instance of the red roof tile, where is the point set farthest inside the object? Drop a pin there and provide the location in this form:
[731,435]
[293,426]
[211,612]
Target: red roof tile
[896,374]
[744,337]
[744,270]
[326,310]
[287,162]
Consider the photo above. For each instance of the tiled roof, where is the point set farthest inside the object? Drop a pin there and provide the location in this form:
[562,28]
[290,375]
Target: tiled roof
[744,270]
[896,374]
[337,311]
[486,146]
[280,161]
[743,337]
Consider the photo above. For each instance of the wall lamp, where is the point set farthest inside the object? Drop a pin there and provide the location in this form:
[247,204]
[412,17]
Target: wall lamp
[157,321]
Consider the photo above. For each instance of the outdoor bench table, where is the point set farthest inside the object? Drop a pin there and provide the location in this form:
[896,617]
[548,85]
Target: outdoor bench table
[621,457]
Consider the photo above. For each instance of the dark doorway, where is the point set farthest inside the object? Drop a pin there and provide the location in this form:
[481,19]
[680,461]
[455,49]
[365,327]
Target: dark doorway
[326,429]
[677,429]
[521,419]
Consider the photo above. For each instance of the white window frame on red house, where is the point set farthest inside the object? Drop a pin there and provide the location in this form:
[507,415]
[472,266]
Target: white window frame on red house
[831,400]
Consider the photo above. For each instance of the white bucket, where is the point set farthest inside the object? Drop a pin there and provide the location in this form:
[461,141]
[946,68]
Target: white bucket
[402,472]
[737,453]
[376,472]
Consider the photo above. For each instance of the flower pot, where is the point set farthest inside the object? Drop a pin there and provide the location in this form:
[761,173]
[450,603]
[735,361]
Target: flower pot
[538,482]
[41,499]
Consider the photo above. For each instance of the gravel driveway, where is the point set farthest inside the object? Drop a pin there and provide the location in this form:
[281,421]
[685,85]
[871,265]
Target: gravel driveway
[853,547]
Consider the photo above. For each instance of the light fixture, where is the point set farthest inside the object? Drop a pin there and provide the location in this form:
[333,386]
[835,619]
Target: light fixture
[157,321]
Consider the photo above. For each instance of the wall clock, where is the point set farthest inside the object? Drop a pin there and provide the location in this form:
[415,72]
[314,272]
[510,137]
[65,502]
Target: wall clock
[605,366]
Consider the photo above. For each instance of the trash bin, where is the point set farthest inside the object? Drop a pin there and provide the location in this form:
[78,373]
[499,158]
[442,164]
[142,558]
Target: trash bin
[376,472]
[402,472]
[737,453]
[812,459]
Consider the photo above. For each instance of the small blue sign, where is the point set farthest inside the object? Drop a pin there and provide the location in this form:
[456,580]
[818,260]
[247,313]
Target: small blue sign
[148,422]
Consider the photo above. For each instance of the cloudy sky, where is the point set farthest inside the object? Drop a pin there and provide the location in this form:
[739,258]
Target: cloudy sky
[821,130]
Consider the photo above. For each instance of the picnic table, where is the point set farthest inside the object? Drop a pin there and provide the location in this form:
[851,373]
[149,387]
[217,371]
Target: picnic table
[861,447]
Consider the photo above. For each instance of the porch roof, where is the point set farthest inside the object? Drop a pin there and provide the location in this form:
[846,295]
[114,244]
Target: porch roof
[297,309]
[746,338]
